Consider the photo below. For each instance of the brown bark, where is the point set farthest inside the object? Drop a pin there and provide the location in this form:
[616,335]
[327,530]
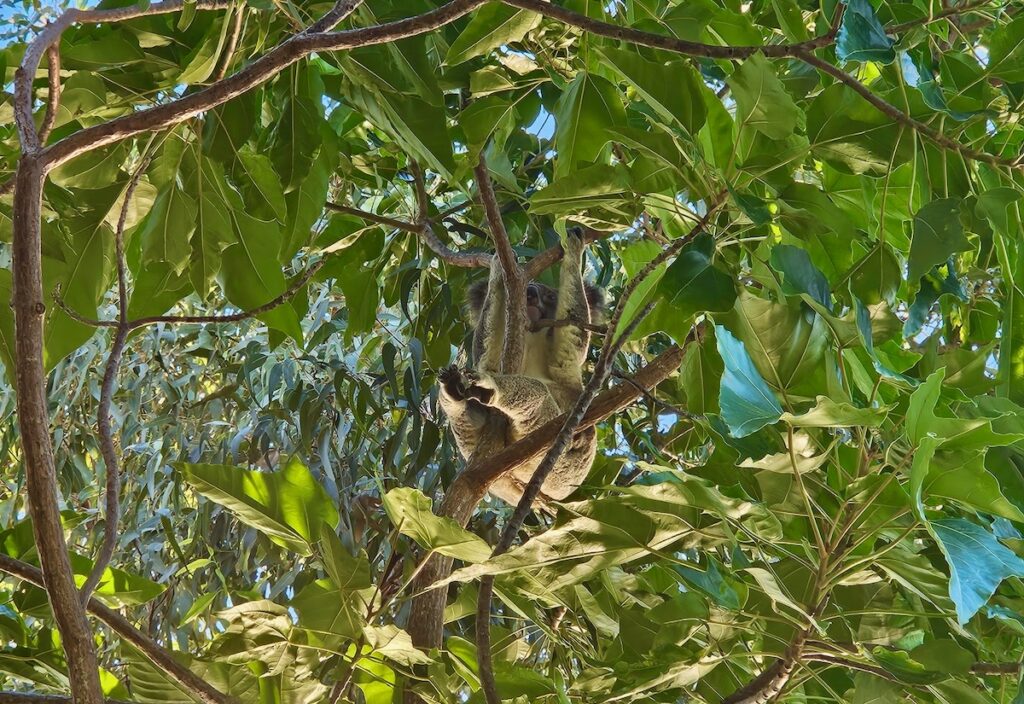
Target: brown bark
[34,426]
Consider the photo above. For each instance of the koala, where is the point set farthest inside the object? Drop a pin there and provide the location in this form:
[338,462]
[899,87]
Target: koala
[549,382]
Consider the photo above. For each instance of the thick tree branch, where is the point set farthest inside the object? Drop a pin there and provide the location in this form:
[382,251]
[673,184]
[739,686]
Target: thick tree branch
[34,425]
[270,64]
[53,99]
[508,534]
[512,275]
[161,659]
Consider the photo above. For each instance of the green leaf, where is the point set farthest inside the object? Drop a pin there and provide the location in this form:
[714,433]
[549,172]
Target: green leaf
[585,111]
[977,563]
[828,413]
[692,284]
[851,134]
[493,25]
[679,99]
[1006,51]
[228,127]
[799,275]
[167,230]
[762,101]
[938,234]
[260,186]
[412,514]
[746,401]
[861,36]
[251,276]
[288,506]
[116,587]
[213,232]
[296,140]
[347,572]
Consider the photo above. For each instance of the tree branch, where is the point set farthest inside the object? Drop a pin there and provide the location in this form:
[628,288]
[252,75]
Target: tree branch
[443,251]
[508,534]
[271,63]
[53,99]
[893,112]
[34,426]
[512,275]
[25,698]
[108,448]
[296,285]
[161,659]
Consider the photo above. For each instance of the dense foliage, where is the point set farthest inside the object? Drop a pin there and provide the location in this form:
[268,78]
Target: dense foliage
[833,482]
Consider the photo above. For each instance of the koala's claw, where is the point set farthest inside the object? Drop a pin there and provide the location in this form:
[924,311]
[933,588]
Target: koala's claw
[479,386]
[451,380]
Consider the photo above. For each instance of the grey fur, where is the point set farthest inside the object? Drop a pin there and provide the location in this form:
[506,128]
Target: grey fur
[548,384]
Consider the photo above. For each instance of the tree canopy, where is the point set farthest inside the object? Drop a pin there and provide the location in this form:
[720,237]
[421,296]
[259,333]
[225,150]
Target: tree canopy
[237,238]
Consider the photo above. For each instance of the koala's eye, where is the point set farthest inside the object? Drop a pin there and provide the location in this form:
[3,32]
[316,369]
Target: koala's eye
[550,297]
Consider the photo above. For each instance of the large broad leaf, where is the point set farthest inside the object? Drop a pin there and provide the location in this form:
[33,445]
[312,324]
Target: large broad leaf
[288,506]
[213,231]
[762,100]
[306,203]
[587,108]
[978,562]
[693,284]
[168,228]
[799,275]
[938,234]
[746,401]
[851,134]
[412,514]
[495,24]
[1006,51]
[251,276]
[679,99]
[418,126]
[296,140]
[787,341]
[861,36]
[596,195]
[828,413]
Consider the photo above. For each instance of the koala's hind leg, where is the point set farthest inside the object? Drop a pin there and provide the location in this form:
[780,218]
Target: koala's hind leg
[525,401]
[466,416]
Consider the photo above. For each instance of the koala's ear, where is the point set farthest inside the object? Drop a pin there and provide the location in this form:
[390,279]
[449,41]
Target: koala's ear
[475,296]
[596,302]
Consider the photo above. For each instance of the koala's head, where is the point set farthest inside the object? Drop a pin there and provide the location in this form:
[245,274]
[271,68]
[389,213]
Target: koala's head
[541,301]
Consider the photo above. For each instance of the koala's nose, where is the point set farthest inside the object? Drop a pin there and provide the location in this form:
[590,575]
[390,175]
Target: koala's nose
[532,294]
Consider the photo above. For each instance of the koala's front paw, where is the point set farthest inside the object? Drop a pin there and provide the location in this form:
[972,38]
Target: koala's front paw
[575,241]
[453,383]
[480,386]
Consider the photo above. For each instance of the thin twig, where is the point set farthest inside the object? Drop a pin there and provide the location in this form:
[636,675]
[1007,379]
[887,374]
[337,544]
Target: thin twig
[237,22]
[108,448]
[53,99]
[894,113]
[443,251]
[533,488]
[334,16]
